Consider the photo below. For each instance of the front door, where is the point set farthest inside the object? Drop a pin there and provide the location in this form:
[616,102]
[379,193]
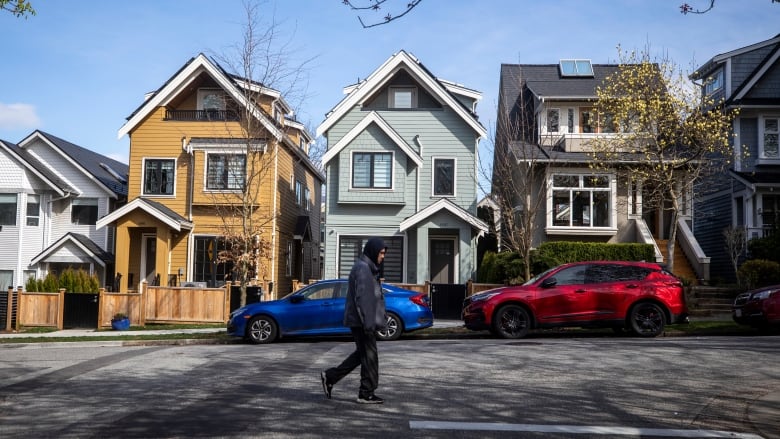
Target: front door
[442,261]
[148,258]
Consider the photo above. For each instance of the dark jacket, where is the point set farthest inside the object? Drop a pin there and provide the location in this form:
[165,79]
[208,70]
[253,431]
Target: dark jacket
[365,305]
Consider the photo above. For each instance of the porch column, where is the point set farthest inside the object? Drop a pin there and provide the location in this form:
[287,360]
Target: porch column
[122,257]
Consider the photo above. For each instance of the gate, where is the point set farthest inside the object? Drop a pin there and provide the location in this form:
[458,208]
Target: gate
[8,306]
[80,310]
[447,300]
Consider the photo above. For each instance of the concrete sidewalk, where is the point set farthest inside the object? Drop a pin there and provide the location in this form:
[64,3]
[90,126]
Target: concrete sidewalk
[86,332]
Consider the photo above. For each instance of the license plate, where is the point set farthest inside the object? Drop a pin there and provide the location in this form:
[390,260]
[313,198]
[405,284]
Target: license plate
[738,312]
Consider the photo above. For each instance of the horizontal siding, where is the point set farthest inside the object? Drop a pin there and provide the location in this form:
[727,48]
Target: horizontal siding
[712,217]
[743,65]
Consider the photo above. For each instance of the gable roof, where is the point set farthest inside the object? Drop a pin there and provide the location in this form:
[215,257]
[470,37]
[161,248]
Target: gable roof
[444,205]
[108,173]
[152,208]
[186,75]
[772,59]
[375,118]
[80,242]
[40,171]
[383,74]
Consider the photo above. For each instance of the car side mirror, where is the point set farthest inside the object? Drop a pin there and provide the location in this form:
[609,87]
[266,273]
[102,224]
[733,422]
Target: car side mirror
[549,282]
[297,298]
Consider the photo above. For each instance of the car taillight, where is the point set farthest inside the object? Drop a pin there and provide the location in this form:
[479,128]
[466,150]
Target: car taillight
[421,299]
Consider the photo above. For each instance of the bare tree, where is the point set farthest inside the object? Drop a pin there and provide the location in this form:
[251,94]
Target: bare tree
[669,134]
[736,243]
[245,174]
[376,6]
[518,176]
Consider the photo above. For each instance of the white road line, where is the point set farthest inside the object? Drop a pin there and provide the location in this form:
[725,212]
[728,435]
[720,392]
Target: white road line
[578,429]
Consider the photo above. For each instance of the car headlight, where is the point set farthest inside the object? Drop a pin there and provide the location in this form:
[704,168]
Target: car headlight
[484,296]
[761,295]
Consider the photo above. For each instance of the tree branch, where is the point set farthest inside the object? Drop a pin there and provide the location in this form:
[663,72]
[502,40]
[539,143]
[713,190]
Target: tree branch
[376,5]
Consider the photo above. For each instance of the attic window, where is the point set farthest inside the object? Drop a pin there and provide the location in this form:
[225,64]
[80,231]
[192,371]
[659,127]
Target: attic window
[402,97]
[576,67]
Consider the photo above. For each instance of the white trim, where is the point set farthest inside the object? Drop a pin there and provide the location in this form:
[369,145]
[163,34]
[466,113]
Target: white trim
[30,168]
[372,117]
[761,158]
[139,203]
[747,86]
[182,80]
[443,204]
[454,176]
[581,230]
[379,78]
[455,257]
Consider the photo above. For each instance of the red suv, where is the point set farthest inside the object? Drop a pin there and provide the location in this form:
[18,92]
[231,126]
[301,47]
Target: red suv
[639,296]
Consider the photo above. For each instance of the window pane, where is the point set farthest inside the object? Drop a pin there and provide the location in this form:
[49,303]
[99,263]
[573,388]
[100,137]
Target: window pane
[8,209]
[382,170]
[601,209]
[571,276]
[581,210]
[595,181]
[33,209]
[552,120]
[402,99]
[361,170]
[84,211]
[561,208]
[771,145]
[566,181]
[444,177]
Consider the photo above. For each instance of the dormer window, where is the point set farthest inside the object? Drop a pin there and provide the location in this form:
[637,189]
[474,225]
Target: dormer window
[714,82]
[402,97]
[576,67]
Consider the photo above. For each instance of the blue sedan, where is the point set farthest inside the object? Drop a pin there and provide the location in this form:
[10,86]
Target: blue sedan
[318,309]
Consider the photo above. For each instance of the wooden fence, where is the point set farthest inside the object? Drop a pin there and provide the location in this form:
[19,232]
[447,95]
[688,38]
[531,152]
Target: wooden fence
[150,305]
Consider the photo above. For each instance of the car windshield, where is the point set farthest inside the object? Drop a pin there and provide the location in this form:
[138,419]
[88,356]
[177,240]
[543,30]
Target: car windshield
[538,276]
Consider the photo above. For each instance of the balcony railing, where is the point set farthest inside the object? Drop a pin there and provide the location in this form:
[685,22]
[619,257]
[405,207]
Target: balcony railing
[201,115]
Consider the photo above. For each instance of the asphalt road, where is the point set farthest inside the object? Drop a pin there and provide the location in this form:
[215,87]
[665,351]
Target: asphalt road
[542,386]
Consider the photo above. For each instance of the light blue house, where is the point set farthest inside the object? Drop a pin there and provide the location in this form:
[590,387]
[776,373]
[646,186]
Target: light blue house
[401,164]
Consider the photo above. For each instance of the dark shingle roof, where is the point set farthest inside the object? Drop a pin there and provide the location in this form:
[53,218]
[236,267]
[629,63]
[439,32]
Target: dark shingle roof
[28,158]
[545,81]
[95,164]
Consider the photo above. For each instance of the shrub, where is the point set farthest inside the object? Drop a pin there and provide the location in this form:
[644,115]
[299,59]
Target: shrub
[766,248]
[757,273]
[74,281]
[504,267]
[554,253]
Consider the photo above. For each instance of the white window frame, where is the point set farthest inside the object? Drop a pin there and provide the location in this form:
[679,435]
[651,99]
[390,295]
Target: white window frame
[16,206]
[298,193]
[763,158]
[714,82]
[610,229]
[454,177]
[391,96]
[33,216]
[352,170]
[307,194]
[87,201]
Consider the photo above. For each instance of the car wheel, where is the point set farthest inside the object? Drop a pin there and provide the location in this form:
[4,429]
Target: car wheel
[261,329]
[393,330]
[511,321]
[647,320]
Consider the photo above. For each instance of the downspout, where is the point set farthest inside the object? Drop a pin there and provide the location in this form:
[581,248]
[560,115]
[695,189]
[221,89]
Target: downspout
[274,195]
[417,191]
[185,145]
[19,246]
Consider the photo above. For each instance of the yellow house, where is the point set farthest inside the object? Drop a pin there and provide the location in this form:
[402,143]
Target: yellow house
[217,164]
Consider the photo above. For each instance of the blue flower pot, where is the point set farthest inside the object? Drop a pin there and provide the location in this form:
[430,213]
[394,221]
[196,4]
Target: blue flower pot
[121,324]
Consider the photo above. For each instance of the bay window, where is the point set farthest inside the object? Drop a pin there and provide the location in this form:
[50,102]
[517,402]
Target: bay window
[581,200]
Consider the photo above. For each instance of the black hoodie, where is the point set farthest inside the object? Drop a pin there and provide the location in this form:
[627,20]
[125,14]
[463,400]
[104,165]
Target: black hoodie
[365,305]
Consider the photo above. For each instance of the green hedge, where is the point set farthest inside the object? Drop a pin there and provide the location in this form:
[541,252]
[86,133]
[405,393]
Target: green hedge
[74,281]
[757,273]
[508,266]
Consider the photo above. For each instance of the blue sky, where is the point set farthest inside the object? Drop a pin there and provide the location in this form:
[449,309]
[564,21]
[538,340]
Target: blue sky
[78,68]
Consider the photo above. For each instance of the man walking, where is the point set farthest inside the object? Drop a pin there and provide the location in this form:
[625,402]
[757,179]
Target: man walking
[364,314]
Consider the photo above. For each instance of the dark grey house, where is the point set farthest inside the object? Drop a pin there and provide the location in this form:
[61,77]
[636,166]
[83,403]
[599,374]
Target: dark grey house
[747,78]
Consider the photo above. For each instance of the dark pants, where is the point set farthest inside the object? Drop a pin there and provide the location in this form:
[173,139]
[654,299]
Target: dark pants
[364,356]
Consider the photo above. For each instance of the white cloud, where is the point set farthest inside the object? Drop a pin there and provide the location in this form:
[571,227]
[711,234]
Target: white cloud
[18,116]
